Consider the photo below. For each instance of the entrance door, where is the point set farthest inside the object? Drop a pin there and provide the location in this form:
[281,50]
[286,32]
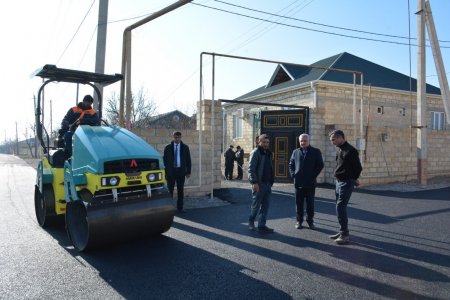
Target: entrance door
[284,127]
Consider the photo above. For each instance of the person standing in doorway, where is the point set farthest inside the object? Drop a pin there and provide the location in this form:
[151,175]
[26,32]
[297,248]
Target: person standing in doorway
[229,162]
[347,171]
[261,176]
[240,162]
[305,165]
[177,161]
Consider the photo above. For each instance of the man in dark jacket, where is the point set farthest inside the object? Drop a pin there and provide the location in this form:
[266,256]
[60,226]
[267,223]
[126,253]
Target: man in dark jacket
[261,176]
[82,114]
[229,162]
[304,166]
[177,161]
[240,162]
[347,171]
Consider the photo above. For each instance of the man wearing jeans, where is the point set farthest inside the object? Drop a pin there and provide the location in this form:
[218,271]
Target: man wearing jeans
[261,176]
[348,168]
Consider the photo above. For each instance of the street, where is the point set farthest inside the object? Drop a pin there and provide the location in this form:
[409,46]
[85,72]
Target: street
[400,249]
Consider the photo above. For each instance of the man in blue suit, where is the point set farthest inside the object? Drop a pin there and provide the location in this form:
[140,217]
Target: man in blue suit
[304,166]
[177,161]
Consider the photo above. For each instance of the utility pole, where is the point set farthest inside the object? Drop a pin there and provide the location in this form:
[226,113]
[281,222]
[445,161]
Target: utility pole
[421,97]
[101,46]
[436,50]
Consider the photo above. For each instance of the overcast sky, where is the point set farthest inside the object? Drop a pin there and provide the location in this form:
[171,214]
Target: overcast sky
[166,51]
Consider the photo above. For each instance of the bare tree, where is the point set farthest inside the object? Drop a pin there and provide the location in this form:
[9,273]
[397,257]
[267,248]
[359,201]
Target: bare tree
[142,107]
[29,137]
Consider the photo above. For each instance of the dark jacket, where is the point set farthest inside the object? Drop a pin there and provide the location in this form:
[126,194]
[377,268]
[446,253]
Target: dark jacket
[87,116]
[185,159]
[256,166]
[229,157]
[348,165]
[304,169]
[240,156]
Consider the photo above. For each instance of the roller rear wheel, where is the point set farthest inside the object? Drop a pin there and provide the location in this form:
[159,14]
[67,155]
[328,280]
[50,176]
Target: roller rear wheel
[44,204]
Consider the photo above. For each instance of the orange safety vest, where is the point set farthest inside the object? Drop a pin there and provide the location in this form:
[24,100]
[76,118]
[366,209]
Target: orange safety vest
[90,111]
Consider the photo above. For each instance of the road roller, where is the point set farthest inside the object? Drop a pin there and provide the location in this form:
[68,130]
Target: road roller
[110,187]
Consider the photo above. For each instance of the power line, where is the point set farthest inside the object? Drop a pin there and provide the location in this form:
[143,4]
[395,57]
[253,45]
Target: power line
[319,24]
[305,28]
[82,21]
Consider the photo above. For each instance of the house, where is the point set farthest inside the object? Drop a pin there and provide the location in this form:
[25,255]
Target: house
[378,116]
[170,120]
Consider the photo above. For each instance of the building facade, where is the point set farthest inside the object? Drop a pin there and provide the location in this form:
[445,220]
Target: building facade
[379,116]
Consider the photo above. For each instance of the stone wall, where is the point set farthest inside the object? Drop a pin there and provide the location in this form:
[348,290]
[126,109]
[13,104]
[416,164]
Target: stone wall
[390,154]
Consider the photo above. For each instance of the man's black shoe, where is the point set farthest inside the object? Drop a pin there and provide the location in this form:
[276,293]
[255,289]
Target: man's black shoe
[298,225]
[311,226]
[251,225]
[265,229]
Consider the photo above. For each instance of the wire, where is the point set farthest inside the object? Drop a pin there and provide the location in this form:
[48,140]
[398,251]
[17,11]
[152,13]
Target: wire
[319,24]
[82,21]
[308,29]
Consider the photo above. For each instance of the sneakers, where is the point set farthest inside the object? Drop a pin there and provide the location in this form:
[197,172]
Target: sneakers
[335,236]
[342,240]
[298,225]
[311,226]
[265,229]
[251,225]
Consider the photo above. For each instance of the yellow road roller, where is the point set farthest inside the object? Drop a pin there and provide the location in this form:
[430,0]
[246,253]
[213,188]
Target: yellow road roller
[109,186]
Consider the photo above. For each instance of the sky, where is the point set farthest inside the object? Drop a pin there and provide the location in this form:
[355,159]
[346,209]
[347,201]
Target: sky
[166,51]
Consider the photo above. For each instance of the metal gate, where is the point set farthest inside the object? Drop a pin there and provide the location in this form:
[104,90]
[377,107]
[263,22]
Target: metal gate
[284,127]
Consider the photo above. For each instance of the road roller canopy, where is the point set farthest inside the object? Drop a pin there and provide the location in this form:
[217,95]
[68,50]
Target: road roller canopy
[54,73]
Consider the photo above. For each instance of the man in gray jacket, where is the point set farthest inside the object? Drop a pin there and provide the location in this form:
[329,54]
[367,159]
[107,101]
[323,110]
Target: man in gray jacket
[261,176]
[304,166]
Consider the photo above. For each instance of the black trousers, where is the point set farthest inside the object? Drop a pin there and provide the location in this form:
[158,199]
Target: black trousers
[178,177]
[239,170]
[302,194]
[229,170]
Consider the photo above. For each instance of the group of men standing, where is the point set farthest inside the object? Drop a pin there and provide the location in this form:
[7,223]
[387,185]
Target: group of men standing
[230,157]
[305,165]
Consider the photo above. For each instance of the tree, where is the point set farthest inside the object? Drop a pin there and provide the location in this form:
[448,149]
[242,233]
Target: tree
[29,138]
[142,108]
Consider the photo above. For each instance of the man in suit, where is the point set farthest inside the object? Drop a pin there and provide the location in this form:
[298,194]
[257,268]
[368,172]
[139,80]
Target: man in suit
[240,162]
[177,161]
[230,157]
[304,166]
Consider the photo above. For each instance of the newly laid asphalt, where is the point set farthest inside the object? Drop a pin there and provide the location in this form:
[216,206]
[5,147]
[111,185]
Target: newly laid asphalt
[400,247]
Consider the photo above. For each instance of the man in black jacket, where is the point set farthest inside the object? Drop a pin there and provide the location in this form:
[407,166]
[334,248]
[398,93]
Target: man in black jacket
[177,161]
[230,156]
[304,166]
[347,171]
[240,162]
[261,176]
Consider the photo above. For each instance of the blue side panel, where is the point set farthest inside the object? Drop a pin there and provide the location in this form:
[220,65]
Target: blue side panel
[94,145]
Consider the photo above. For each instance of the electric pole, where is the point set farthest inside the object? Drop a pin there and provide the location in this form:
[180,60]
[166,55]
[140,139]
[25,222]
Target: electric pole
[101,46]
[421,97]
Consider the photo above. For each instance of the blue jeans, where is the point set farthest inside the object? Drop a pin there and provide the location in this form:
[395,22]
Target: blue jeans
[260,204]
[344,190]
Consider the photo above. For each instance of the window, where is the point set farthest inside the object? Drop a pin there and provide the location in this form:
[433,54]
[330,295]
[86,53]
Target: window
[437,120]
[380,110]
[237,127]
